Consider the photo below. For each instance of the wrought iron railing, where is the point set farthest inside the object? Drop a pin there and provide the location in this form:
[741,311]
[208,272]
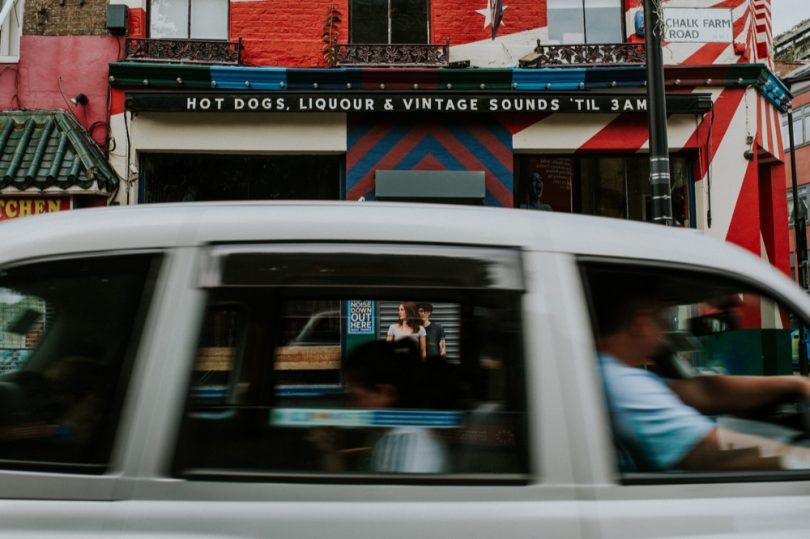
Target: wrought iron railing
[605,54]
[186,51]
[399,55]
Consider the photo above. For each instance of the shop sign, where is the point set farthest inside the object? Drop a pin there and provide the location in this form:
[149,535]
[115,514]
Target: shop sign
[408,102]
[361,317]
[698,25]
[12,207]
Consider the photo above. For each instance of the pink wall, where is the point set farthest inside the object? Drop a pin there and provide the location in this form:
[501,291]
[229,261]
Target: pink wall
[81,62]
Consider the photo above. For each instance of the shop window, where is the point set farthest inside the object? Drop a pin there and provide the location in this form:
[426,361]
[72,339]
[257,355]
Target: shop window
[199,177]
[585,21]
[188,19]
[598,185]
[68,331]
[319,379]
[620,187]
[10,30]
[389,21]
[675,403]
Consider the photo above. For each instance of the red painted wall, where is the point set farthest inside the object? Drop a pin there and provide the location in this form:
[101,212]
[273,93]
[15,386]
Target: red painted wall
[54,69]
[459,21]
[281,33]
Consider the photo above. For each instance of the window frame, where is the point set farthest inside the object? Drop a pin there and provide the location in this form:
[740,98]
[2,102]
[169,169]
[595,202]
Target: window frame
[188,25]
[11,32]
[622,24]
[61,481]
[804,197]
[390,25]
[681,477]
[801,116]
[211,281]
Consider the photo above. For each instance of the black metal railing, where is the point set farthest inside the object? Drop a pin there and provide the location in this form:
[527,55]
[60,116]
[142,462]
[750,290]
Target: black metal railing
[605,54]
[390,55]
[186,51]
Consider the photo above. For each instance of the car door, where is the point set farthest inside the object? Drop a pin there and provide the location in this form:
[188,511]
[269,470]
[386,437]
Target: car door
[254,435]
[70,329]
[717,323]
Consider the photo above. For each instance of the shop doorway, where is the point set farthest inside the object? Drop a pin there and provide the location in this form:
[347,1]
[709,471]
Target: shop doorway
[205,177]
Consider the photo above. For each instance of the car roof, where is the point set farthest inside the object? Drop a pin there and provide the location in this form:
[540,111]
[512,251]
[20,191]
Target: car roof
[150,226]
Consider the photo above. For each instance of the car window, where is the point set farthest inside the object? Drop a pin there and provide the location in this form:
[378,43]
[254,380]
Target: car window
[698,372]
[68,330]
[366,400]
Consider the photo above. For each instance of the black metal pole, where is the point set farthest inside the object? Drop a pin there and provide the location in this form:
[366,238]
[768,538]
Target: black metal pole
[800,236]
[657,110]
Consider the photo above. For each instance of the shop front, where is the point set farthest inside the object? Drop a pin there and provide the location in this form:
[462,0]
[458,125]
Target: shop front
[567,140]
[49,163]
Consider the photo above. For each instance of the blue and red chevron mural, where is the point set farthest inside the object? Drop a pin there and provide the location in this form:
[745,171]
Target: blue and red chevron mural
[430,145]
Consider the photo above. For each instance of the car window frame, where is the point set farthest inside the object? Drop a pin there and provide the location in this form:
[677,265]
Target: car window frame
[67,481]
[512,280]
[683,477]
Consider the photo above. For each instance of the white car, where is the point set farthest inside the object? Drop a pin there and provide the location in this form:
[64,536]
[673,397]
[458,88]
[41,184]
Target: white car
[144,391]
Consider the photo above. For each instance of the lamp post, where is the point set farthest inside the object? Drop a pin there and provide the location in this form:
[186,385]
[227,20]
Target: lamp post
[656,104]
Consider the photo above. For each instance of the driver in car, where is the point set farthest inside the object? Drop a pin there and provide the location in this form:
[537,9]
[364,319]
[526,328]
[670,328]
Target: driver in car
[662,424]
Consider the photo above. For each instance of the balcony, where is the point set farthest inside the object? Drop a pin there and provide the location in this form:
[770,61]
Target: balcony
[605,54]
[392,55]
[184,51]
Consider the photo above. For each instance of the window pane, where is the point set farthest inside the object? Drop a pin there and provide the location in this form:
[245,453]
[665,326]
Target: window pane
[602,186]
[67,335]
[209,19]
[545,183]
[409,21]
[340,380]
[566,21]
[369,21]
[603,21]
[168,19]
[672,386]
[798,132]
[639,196]
[806,131]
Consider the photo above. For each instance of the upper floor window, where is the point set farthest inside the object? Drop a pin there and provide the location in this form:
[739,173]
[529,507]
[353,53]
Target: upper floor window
[804,198]
[585,21]
[11,13]
[389,21]
[188,19]
[801,128]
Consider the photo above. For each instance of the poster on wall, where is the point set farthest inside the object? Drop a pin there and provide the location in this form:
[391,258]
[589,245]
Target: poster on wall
[13,207]
[361,317]
[548,184]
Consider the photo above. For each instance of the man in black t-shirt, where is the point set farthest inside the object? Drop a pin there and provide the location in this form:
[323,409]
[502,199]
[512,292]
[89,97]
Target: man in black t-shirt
[436,344]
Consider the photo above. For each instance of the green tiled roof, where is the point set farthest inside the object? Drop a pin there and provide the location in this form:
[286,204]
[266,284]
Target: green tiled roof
[49,152]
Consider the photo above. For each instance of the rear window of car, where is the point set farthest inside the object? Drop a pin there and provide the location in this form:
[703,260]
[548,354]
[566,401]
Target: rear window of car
[307,367]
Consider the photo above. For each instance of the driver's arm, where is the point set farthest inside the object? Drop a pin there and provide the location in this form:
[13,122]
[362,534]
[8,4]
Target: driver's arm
[732,394]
